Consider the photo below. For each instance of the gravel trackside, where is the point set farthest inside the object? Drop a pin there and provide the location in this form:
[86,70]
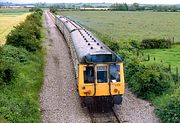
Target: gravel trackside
[136,110]
[59,99]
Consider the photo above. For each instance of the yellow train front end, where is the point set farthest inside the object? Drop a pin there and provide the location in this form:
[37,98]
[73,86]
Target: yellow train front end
[99,83]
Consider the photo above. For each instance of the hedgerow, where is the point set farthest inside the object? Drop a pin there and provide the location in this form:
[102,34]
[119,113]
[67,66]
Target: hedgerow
[27,34]
[168,107]
[13,54]
[112,44]
[36,9]
[10,58]
[8,72]
[148,80]
[155,43]
[21,71]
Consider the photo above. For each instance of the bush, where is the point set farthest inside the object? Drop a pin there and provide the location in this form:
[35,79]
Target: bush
[169,109]
[13,55]
[155,43]
[149,80]
[27,34]
[113,45]
[10,57]
[8,72]
[135,44]
[35,18]
[32,29]
[23,110]
[21,38]
[36,9]
[53,9]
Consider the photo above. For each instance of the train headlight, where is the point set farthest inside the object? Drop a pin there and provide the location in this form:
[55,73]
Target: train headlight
[83,88]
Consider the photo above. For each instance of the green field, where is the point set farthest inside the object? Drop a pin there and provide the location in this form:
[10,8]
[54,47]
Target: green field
[14,10]
[124,26]
[130,25]
[166,56]
[8,19]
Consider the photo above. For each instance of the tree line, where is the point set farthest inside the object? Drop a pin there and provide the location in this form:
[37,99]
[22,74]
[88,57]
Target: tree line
[138,7]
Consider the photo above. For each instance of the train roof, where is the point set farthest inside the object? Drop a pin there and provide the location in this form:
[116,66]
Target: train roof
[88,48]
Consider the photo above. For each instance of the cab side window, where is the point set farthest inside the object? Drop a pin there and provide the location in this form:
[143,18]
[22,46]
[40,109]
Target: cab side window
[114,73]
[89,74]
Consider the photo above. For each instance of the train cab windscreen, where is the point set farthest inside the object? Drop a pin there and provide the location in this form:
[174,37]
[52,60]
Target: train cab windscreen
[89,74]
[114,73]
[102,74]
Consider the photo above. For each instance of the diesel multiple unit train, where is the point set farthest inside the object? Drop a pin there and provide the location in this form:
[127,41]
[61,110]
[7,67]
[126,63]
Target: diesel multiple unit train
[99,71]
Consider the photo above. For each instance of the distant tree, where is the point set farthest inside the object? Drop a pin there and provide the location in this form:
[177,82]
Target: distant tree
[53,9]
[173,8]
[87,6]
[135,7]
[126,6]
[132,8]
[163,8]
[119,7]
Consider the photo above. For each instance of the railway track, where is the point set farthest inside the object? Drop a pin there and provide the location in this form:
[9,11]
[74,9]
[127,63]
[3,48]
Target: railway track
[51,16]
[105,117]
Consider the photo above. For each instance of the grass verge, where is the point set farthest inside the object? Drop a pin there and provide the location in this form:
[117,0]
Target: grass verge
[19,101]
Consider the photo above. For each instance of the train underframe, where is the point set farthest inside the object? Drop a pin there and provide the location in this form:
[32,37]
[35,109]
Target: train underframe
[101,102]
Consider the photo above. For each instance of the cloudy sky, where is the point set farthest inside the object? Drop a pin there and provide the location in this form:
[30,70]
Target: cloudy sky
[92,1]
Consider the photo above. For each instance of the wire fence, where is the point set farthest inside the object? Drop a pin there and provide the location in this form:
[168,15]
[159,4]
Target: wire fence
[173,70]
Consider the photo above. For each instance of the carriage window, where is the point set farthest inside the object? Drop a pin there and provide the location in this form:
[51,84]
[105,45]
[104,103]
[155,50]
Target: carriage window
[89,74]
[101,74]
[114,73]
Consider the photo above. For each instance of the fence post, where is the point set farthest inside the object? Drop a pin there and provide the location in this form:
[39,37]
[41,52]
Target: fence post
[169,68]
[177,74]
[137,52]
[173,40]
[154,59]
[148,57]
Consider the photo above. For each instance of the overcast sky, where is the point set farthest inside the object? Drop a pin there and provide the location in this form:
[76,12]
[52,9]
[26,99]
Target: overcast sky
[95,1]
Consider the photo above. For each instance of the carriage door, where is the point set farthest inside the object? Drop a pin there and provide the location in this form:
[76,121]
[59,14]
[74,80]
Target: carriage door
[102,87]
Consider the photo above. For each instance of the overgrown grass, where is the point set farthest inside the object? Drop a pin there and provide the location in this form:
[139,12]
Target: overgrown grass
[19,101]
[168,107]
[165,56]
